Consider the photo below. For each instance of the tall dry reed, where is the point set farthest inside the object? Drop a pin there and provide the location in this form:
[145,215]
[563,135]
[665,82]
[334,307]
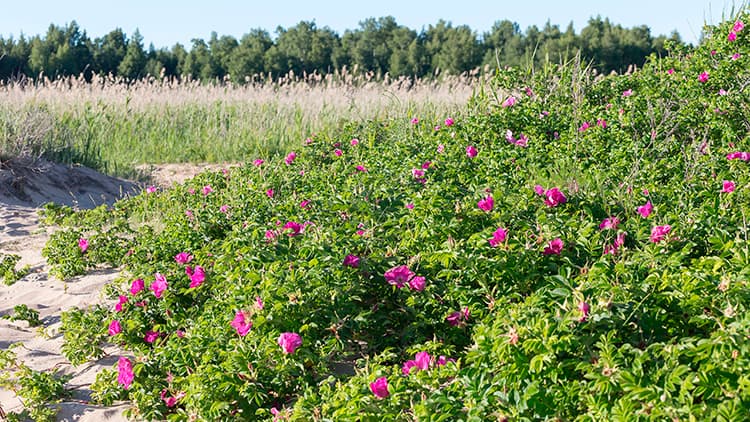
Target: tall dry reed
[115,124]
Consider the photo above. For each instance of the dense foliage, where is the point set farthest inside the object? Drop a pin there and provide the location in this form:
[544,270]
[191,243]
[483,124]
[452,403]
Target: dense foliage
[379,45]
[571,248]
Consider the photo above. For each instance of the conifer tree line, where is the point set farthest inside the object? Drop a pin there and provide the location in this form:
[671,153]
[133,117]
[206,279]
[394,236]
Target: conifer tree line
[379,45]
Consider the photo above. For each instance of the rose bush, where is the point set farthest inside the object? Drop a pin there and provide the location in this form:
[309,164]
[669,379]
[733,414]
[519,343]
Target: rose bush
[597,272]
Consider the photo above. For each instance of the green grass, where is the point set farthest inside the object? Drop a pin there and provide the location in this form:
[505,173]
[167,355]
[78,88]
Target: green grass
[114,127]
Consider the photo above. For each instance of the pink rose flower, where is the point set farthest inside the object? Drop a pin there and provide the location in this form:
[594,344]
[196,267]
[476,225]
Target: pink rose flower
[114,327]
[159,285]
[486,204]
[554,247]
[659,233]
[380,388]
[289,342]
[351,261]
[136,286]
[242,323]
[183,258]
[125,375]
[498,237]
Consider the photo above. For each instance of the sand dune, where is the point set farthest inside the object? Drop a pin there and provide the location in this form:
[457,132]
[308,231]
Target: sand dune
[22,191]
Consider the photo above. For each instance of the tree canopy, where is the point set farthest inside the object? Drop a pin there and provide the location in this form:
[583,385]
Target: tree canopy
[379,45]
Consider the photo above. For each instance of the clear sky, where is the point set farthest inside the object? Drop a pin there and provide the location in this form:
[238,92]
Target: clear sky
[165,23]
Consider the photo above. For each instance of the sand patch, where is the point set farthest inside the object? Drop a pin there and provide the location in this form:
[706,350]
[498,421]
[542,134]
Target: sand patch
[22,192]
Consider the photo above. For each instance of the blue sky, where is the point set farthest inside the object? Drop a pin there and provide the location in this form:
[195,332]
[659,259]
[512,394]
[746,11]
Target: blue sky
[165,23]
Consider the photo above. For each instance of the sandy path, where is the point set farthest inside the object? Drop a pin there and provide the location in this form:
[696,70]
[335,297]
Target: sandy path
[21,234]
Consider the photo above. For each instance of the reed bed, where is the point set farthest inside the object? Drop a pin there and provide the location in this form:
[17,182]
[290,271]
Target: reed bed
[115,125]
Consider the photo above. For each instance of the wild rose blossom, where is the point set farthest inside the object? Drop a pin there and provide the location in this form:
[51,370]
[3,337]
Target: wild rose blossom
[414,121]
[407,366]
[289,342]
[584,308]
[159,285]
[703,77]
[241,323]
[471,151]
[423,360]
[659,233]
[458,318]
[498,237]
[449,122]
[361,169]
[290,158]
[269,193]
[114,327]
[442,360]
[171,401]
[522,140]
[417,283]
[584,127]
[183,258]
[197,276]
[609,223]
[351,261]
[398,276]
[207,189]
[486,204]
[728,186]
[258,162]
[258,303]
[645,210]
[125,375]
[136,286]
[151,189]
[83,244]
[616,245]
[739,155]
[554,197]
[440,148]
[294,227]
[627,93]
[732,36]
[151,336]
[338,152]
[354,142]
[121,301]
[380,388]
[509,102]
[554,247]
[738,26]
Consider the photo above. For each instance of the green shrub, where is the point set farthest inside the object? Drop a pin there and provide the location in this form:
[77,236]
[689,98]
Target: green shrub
[577,252]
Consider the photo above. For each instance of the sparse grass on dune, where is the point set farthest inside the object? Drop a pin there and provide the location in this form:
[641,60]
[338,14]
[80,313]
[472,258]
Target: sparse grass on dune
[113,125]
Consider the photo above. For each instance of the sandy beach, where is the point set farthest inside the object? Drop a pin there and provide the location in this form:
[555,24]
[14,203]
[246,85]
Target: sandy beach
[21,193]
